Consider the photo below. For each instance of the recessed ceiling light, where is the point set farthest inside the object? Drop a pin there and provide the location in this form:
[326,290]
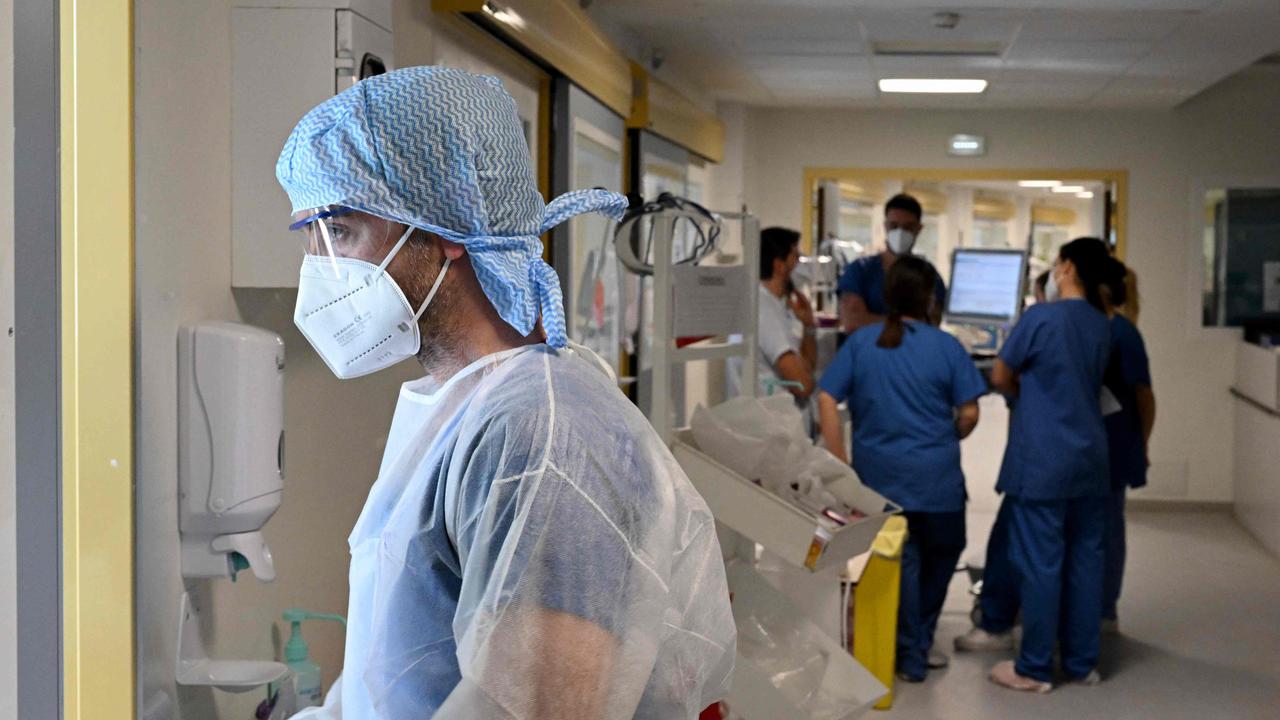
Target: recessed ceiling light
[936,85]
[1069,189]
[1039,183]
[1086,195]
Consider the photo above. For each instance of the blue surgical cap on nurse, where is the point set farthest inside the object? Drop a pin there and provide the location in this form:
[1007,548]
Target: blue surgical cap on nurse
[442,150]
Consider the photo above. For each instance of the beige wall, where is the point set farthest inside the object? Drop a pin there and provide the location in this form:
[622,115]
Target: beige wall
[335,430]
[8,539]
[1228,130]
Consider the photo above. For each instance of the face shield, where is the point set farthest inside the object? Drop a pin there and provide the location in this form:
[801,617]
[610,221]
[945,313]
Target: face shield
[337,231]
[695,232]
[350,309]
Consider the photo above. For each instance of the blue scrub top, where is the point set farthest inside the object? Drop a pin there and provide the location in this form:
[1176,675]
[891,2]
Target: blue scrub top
[1127,369]
[865,277]
[1057,446]
[902,401]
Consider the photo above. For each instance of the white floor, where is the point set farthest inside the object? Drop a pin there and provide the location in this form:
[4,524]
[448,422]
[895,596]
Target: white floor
[1200,623]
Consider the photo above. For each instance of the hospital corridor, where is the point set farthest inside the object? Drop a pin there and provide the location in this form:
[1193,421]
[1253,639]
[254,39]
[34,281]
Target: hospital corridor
[639,359]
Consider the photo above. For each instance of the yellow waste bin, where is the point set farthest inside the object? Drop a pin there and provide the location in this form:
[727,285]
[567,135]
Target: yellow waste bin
[875,604]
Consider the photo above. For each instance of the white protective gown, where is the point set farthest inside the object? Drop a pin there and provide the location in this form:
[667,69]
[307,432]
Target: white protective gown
[526,513]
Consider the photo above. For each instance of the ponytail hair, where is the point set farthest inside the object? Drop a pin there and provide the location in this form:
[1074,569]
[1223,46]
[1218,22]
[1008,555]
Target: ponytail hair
[1094,266]
[1116,286]
[908,292]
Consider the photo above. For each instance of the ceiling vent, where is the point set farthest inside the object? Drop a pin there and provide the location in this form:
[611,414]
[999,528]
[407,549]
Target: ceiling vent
[930,48]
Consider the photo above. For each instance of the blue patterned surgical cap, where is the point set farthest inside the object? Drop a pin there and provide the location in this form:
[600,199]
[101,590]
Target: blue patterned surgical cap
[442,150]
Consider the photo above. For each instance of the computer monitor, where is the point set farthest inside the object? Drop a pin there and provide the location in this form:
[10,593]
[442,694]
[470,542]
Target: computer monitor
[987,286]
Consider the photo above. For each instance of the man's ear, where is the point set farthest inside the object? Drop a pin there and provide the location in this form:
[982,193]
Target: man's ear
[452,250]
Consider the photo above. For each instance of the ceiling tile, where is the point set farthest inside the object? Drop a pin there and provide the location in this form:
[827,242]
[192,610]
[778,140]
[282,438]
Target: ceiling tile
[1149,53]
[1101,24]
[1048,70]
[1050,50]
[801,46]
[936,67]
[806,63]
[917,24]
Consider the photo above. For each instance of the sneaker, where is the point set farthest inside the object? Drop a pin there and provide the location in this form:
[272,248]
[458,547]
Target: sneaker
[937,660]
[1006,675]
[1110,626]
[979,640]
[1092,679]
[909,678]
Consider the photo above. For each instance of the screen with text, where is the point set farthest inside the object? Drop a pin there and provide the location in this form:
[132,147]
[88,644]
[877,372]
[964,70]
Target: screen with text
[986,284]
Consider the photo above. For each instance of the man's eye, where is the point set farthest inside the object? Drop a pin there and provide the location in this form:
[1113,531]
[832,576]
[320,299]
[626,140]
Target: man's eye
[338,231]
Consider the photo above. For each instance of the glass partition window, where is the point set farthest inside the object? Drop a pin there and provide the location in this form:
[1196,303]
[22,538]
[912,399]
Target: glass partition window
[1241,256]
[856,226]
[662,176]
[990,233]
[595,280]
[927,244]
[1046,239]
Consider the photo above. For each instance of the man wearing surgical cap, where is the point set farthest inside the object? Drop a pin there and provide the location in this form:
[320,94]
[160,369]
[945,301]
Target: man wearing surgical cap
[530,548]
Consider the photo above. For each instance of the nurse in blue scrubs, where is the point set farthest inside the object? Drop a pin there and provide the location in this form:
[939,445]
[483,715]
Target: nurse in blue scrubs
[998,601]
[913,392]
[1128,378]
[1056,469]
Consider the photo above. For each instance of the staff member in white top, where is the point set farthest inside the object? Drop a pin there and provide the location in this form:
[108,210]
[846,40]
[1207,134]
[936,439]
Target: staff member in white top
[786,334]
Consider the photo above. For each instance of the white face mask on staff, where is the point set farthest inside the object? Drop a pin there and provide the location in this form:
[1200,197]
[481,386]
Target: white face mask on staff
[1051,290]
[901,241]
[353,313]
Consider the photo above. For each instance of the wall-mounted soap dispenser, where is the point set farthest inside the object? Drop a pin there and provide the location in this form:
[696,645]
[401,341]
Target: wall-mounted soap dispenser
[230,447]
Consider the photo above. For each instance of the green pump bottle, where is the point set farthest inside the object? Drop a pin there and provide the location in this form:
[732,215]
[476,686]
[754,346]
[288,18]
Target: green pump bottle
[306,673]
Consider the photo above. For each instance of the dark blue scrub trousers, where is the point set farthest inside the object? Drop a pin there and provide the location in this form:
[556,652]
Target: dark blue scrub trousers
[1115,552]
[934,544]
[1057,547]
[999,599]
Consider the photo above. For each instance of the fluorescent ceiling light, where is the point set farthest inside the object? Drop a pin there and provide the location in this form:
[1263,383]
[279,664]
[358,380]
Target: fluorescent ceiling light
[1086,195]
[925,85]
[1039,183]
[1069,189]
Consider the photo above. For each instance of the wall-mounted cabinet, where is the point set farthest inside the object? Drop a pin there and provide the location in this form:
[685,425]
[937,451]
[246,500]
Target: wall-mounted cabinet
[285,61]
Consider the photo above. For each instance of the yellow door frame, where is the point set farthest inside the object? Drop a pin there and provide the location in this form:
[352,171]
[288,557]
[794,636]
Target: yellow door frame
[1119,178]
[97,312]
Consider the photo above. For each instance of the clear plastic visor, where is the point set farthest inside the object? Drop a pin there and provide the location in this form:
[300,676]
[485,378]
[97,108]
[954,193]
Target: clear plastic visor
[337,231]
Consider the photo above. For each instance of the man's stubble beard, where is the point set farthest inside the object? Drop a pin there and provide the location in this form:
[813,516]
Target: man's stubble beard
[439,325]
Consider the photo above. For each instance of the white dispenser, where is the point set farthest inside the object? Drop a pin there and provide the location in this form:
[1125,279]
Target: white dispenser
[230,447]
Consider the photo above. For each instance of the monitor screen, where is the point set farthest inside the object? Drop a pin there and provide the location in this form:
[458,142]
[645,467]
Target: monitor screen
[986,284]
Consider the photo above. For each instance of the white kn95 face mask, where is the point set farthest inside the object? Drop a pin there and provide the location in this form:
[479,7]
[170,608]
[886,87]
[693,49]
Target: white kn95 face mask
[901,241]
[355,316]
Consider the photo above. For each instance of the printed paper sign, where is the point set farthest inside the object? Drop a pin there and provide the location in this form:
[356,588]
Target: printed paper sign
[1271,287]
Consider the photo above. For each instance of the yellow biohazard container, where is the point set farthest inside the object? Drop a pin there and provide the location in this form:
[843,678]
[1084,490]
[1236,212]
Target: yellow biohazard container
[875,604]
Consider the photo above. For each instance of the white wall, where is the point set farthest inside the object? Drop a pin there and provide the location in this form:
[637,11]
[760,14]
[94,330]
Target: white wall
[1257,447]
[335,430]
[8,538]
[1230,129]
